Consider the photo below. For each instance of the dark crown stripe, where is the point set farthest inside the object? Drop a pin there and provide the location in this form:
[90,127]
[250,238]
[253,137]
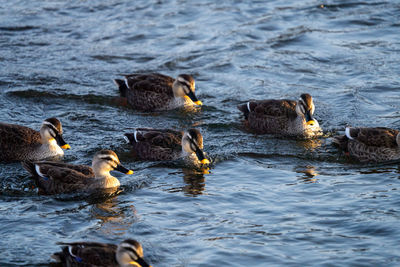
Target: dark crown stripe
[51,126]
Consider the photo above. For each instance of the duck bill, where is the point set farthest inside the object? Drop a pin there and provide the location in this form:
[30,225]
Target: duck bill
[122,169]
[140,263]
[60,141]
[193,97]
[201,157]
[309,119]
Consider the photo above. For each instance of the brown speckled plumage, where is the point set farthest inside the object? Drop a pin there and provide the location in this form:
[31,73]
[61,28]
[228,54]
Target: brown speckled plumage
[370,144]
[156,144]
[154,91]
[85,254]
[58,177]
[279,117]
[22,143]
[163,144]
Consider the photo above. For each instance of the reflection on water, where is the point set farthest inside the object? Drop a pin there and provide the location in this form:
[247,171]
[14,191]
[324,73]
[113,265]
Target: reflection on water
[113,218]
[308,173]
[310,144]
[195,182]
[56,61]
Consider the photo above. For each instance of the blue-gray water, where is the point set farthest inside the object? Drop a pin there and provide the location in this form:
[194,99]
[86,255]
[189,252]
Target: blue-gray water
[267,201]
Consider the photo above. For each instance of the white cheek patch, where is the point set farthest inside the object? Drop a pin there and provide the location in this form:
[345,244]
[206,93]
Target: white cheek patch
[52,133]
[135,135]
[126,139]
[347,131]
[180,79]
[248,106]
[312,108]
[302,109]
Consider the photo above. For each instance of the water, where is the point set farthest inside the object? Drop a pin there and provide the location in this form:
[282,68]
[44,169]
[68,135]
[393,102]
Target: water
[267,200]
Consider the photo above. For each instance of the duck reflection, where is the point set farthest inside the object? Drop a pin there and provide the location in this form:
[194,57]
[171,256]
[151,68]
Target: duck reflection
[308,173]
[113,218]
[195,181]
[310,144]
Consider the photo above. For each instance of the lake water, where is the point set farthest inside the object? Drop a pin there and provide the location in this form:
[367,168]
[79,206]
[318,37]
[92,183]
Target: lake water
[267,201]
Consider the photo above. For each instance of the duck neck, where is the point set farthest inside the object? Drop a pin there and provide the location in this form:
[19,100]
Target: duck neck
[52,146]
[185,153]
[105,178]
[101,173]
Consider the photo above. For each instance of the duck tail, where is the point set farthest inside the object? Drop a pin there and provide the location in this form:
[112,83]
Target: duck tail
[30,167]
[341,141]
[61,256]
[58,256]
[121,86]
[131,137]
[245,108]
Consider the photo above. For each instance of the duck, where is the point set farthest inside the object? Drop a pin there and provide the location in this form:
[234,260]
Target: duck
[155,91]
[283,117]
[20,143]
[127,253]
[365,144]
[167,144]
[58,177]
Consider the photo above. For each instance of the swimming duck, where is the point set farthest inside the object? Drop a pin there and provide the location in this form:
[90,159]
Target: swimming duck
[58,177]
[128,253]
[154,91]
[19,143]
[285,117]
[370,144]
[166,144]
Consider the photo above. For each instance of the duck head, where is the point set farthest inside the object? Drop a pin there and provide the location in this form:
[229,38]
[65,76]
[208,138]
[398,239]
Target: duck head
[105,161]
[130,253]
[305,107]
[51,131]
[192,142]
[184,86]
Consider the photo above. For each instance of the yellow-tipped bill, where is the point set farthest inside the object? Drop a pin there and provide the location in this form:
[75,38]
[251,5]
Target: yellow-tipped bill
[129,172]
[205,161]
[310,122]
[199,103]
[66,146]
[134,263]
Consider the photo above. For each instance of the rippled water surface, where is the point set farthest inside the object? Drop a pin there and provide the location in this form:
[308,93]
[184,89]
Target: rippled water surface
[267,200]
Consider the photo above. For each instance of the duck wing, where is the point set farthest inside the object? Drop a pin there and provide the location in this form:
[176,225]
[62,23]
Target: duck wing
[87,254]
[270,107]
[57,177]
[379,136]
[153,82]
[276,108]
[16,140]
[155,144]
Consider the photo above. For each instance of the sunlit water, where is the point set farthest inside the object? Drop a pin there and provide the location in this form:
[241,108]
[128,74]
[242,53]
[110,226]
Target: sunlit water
[267,200]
